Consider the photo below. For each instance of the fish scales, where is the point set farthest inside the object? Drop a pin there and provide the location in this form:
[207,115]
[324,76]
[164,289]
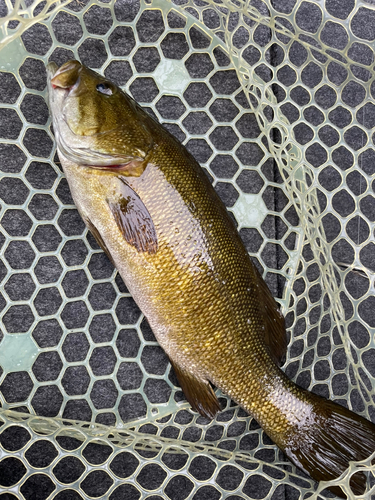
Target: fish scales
[193,262]
[153,210]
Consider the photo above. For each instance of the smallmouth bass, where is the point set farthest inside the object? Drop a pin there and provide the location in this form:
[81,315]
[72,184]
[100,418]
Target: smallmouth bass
[155,214]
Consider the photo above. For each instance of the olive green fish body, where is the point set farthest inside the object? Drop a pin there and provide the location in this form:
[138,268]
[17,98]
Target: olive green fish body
[199,291]
[154,212]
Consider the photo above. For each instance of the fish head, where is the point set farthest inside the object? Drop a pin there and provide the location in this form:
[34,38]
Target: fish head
[95,123]
[87,102]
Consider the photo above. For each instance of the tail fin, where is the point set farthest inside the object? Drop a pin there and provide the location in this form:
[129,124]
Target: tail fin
[336,436]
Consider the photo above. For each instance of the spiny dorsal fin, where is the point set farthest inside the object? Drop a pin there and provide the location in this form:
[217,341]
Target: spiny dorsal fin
[199,393]
[275,333]
[133,219]
[98,238]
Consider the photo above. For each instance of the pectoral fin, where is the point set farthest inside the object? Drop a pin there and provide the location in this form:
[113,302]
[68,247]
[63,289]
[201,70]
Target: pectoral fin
[198,392]
[133,219]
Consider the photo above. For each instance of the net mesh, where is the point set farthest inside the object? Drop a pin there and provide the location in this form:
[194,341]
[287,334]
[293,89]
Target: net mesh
[275,100]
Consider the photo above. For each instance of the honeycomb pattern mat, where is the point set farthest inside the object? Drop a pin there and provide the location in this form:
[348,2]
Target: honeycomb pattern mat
[275,100]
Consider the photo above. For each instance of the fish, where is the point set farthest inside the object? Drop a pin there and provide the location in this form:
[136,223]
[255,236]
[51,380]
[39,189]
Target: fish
[154,212]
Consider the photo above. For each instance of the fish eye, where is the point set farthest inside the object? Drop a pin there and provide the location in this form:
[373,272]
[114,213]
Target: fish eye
[104,88]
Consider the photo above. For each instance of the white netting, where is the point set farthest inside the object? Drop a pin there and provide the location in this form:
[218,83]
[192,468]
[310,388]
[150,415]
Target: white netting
[287,139]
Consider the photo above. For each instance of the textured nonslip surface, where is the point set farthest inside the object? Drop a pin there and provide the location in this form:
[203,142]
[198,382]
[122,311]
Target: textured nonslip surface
[74,343]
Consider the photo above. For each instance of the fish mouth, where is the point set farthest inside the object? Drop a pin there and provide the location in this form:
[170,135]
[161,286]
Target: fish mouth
[64,77]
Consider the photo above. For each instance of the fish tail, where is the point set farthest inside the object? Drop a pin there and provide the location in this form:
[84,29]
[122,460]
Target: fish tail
[333,437]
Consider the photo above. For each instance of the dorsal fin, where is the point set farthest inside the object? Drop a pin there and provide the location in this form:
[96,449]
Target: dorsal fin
[133,219]
[275,333]
[198,392]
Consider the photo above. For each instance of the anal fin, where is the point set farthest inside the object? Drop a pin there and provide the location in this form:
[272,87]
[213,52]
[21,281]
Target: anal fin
[198,392]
